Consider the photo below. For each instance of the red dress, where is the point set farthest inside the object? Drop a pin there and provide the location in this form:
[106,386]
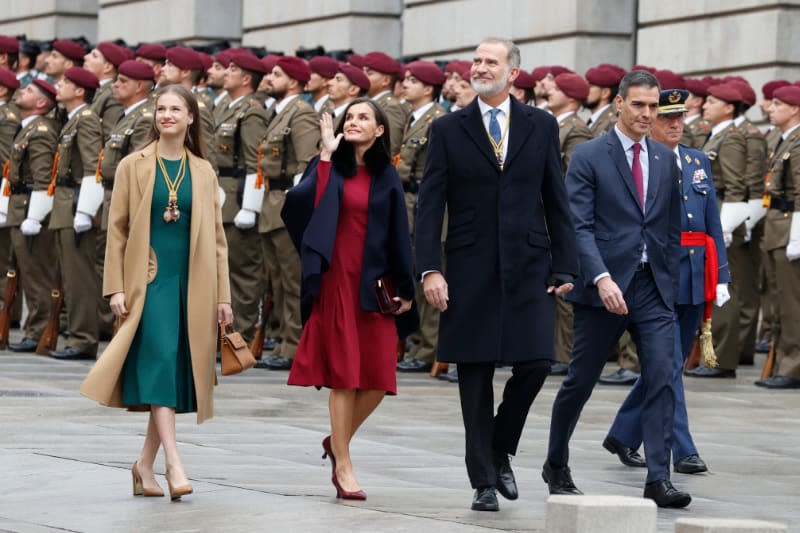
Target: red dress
[342,345]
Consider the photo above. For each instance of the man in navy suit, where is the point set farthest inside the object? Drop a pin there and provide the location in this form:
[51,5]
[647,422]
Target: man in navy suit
[625,202]
[704,277]
[510,251]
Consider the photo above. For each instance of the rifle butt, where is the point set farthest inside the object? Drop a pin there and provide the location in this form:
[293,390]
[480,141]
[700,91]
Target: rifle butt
[769,362]
[257,344]
[693,361]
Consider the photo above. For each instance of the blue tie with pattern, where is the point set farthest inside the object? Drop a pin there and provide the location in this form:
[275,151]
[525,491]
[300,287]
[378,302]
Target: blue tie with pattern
[494,126]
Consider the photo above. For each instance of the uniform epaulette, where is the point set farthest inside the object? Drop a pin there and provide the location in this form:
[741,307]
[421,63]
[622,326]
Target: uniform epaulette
[10,115]
[42,127]
[201,105]
[86,112]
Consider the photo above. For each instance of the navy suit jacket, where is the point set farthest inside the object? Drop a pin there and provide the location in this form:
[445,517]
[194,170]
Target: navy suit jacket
[610,226]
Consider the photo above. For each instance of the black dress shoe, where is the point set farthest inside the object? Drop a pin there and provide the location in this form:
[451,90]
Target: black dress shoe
[691,464]
[623,376]
[665,495]
[25,345]
[485,499]
[559,480]
[626,455]
[413,365]
[707,372]
[776,382]
[14,324]
[270,343]
[559,369]
[506,484]
[70,353]
[275,362]
[762,346]
[451,376]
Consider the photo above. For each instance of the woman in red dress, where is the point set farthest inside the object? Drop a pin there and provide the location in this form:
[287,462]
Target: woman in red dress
[354,233]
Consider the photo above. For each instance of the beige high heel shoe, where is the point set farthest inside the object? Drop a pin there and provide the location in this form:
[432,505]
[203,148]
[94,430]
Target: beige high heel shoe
[138,486]
[175,493]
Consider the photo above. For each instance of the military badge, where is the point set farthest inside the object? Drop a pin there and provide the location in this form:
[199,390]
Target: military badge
[786,156]
[712,155]
[688,158]
[276,152]
[699,176]
[696,161]
[674,97]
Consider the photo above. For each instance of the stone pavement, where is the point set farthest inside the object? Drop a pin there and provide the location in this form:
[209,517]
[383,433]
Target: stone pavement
[64,460]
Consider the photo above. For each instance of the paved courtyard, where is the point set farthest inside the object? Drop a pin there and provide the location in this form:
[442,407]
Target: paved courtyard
[64,460]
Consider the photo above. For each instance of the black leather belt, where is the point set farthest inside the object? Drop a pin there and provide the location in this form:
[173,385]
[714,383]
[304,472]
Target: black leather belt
[277,184]
[643,267]
[20,188]
[232,172]
[781,204]
[67,181]
[411,186]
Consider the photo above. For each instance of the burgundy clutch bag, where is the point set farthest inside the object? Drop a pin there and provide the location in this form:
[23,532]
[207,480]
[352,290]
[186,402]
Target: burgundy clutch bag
[385,292]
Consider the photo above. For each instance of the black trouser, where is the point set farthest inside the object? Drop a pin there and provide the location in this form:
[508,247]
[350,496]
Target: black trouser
[486,432]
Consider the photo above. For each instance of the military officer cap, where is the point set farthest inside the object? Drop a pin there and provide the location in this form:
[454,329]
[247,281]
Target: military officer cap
[69,49]
[747,92]
[605,75]
[357,60]
[426,72]
[113,53]
[82,78]
[295,68]
[137,70]
[726,92]
[524,81]
[45,88]
[557,70]
[572,85]
[247,61]
[355,75]
[789,94]
[382,63]
[152,51]
[539,73]
[8,79]
[324,66]
[8,45]
[184,58]
[697,87]
[670,80]
[672,101]
[768,89]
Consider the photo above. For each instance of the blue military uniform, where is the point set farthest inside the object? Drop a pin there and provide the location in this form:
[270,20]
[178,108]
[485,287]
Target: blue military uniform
[699,214]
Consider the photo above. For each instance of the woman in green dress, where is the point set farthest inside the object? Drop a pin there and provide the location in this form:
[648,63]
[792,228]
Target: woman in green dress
[167,361]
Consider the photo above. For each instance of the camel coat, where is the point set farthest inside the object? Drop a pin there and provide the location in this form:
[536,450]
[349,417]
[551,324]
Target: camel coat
[130,265]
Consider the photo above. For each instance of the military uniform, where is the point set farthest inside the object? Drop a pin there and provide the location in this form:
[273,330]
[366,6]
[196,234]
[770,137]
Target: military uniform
[604,122]
[107,108]
[208,131]
[220,106]
[241,128]
[696,133]
[290,143]
[78,148]
[769,295]
[397,115]
[9,121]
[29,173]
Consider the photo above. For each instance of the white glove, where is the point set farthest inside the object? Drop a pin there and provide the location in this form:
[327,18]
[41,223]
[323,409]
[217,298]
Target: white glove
[245,219]
[793,248]
[222,195]
[722,294]
[30,227]
[90,196]
[82,222]
[252,198]
[733,214]
[727,237]
[756,211]
[297,178]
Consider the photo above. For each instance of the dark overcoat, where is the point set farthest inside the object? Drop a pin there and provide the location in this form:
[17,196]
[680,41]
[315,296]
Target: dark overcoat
[510,231]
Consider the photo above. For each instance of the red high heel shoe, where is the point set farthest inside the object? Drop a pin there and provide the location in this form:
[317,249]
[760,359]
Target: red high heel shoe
[326,445]
[344,494]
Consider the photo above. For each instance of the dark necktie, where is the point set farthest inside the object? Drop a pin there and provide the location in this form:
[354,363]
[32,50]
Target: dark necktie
[589,123]
[494,126]
[638,175]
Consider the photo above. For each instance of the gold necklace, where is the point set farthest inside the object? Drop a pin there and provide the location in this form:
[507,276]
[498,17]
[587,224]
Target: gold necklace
[172,213]
[498,146]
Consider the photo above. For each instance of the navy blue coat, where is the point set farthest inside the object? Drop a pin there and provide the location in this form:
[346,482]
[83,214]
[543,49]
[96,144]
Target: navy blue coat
[509,232]
[699,212]
[387,246]
[611,228]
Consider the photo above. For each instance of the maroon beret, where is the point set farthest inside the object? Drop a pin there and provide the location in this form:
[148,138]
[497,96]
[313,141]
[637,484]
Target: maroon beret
[247,61]
[605,75]
[524,81]
[573,85]
[727,92]
[153,51]
[137,70]
[8,45]
[451,66]
[465,70]
[556,70]
[747,92]
[768,89]
[206,60]
[184,58]
[113,53]
[539,73]
[47,89]
[426,72]
[670,80]
[382,63]
[8,79]
[651,70]
[355,75]
[69,49]
[270,60]
[357,60]
[790,94]
[82,78]
[295,68]
[697,87]
[324,66]
[223,57]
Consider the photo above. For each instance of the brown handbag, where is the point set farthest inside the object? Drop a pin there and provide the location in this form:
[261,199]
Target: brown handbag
[236,356]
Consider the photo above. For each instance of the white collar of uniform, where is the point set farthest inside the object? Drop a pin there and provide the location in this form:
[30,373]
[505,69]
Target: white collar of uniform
[738,120]
[22,74]
[677,151]
[422,110]
[563,116]
[234,102]
[504,107]
[72,113]
[132,107]
[339,110]
[721,126]
[268,102]
[688,120]
[321,102]
[27,120]
[105,81]
[380,95]
[280,106]
[785,134]
[220,96]
[2,102]
[599,112]
[627,142]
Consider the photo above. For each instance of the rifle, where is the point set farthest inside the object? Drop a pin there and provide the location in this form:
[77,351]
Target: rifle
[8,300]
[769,362]
[693,361]
[49,338]
[257,344]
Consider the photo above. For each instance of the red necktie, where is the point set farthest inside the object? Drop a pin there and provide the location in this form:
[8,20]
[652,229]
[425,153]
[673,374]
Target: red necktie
[638,176]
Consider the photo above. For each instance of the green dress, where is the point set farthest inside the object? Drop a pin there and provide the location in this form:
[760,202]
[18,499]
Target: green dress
[158,368]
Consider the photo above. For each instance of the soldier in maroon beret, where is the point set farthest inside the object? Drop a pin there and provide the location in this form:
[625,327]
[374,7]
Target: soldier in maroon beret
[668,79]
[154,54]
[696,129]
[64,54]
[103,61]
[540,89]
[774,134]
[323,68]
[215,81]
[347,84]
[603,86]
[522,88]
[9,120]
[382,72]
[357,60]
[9,52]
[9,81]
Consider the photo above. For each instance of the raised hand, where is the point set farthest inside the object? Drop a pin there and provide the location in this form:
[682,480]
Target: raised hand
[329,142]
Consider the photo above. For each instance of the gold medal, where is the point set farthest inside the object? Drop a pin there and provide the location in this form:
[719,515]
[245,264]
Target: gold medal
[171,212]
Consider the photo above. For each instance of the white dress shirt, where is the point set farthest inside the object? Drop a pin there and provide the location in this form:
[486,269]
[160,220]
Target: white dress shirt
[502,116]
